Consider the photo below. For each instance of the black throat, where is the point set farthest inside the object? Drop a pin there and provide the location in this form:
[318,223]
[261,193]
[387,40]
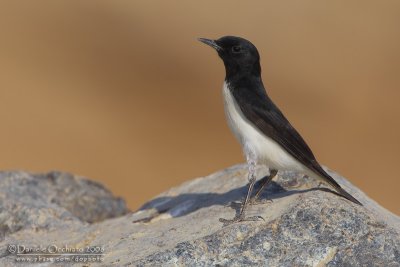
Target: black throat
[247,89]
[234,71]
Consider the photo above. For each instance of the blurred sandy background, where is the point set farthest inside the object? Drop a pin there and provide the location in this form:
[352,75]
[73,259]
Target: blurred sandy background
[121,91]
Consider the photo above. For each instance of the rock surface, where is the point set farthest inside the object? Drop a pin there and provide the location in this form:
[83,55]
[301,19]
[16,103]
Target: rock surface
[305,224]
[53,200]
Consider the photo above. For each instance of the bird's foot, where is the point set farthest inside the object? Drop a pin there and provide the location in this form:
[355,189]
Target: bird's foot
[258,201]
[241,218]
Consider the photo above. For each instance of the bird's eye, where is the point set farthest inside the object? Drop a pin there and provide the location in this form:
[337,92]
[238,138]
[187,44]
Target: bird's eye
[236,49]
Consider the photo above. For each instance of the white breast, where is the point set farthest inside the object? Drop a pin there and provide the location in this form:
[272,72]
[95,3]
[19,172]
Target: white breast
[266,150]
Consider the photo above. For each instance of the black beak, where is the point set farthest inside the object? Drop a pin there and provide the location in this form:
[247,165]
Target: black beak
[211,43]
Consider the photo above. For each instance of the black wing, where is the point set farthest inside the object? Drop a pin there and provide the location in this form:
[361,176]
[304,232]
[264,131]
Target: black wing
[258,108]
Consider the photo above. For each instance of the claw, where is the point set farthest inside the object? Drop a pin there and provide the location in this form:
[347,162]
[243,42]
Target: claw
[241,219]
[260,217]
[257,201]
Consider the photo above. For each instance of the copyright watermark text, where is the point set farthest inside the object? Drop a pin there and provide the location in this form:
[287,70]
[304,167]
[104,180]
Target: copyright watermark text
[56,253]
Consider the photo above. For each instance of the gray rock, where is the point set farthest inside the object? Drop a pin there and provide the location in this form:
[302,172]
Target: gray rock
[53,200]
[305,225]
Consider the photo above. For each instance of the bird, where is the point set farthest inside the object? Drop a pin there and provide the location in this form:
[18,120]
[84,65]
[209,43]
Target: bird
[266,136]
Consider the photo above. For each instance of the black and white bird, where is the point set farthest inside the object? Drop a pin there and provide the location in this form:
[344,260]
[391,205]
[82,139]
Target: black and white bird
[265,134]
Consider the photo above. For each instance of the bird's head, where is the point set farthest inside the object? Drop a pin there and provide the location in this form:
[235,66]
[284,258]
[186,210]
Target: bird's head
[240,56]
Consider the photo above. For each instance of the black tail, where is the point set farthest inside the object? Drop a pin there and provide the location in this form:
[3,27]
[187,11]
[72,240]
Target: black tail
[346,195]
[323,174]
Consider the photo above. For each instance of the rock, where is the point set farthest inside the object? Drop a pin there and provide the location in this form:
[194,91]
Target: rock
[54,200]
[305,225]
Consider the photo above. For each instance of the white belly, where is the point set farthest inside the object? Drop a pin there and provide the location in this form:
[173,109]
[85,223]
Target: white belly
[266,150]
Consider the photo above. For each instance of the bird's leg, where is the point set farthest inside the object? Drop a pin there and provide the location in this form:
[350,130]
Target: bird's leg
[241,216]
[264,183]
[251,161]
